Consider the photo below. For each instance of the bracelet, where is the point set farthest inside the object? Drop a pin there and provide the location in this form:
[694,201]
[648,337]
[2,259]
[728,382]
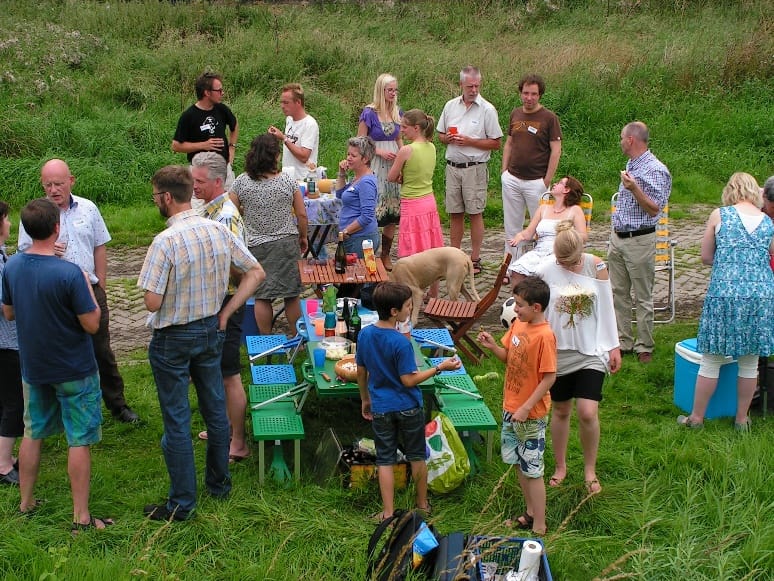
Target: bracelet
[232,145]
[437,371]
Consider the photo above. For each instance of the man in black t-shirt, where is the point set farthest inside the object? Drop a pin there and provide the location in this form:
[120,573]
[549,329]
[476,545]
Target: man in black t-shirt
[202,127]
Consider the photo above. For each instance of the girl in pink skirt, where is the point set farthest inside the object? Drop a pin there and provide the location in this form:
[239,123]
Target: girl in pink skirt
[420,225]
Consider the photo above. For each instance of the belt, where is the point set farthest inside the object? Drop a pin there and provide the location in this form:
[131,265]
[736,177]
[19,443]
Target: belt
[635,233]
[463,165]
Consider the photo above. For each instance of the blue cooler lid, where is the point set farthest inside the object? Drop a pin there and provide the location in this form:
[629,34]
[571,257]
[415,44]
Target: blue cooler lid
[691,344]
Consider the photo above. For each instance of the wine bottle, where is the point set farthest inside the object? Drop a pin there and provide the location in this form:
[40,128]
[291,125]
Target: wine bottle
[345,316]
[340,258]
[354,325]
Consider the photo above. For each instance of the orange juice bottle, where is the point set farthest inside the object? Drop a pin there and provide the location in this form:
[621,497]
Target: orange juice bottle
[368,255]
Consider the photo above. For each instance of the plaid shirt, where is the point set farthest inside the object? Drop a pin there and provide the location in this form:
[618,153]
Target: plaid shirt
[223,210]
[189,263]
[655,182]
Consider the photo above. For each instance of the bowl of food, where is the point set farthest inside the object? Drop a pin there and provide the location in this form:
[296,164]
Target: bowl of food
[335,347]
[346,368]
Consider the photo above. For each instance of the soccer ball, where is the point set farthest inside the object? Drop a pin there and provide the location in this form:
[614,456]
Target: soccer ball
[508,313]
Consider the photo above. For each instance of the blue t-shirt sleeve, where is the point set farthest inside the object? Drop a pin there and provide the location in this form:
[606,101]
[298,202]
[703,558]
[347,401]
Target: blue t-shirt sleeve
[81,297]
[406,361]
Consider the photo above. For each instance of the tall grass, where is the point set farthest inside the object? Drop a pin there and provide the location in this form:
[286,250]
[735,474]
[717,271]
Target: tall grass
[102,84]
[676,503]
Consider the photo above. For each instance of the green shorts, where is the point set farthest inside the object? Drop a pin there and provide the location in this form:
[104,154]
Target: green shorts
[74,407]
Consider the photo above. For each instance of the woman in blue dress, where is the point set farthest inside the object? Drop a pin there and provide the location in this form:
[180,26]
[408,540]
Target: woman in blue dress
[380,120]
[738,315]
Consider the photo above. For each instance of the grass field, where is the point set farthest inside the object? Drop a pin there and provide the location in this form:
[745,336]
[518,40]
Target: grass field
[102,85]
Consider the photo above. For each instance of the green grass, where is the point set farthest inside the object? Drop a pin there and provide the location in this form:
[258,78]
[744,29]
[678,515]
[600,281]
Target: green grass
[102,84]
[676,503]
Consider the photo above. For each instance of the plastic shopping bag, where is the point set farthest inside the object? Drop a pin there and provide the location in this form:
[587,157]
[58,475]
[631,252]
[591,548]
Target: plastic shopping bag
[447,460]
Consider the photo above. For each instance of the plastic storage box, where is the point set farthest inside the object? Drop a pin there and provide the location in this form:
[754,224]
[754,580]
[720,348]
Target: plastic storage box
[687,360]
[505,552]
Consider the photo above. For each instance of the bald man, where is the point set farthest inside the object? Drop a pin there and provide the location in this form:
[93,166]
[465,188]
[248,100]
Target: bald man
[82,239]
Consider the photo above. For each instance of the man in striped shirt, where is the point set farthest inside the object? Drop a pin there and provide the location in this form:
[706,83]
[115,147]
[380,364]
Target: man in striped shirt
[185,277]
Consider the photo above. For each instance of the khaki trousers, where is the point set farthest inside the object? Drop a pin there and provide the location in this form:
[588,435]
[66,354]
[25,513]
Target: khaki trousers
[632,267]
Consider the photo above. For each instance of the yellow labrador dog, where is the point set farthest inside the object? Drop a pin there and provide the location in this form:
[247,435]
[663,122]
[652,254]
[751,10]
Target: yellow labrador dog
[421,270]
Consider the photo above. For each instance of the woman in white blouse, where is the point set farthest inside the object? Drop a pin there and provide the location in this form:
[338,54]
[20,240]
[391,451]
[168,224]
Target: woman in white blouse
[582,317]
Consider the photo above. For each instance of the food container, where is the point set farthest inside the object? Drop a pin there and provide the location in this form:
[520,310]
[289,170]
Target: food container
[325,186]
[335,347]
[346,368]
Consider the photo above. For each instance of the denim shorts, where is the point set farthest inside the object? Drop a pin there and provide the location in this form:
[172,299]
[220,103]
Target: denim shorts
[524,443]
[408,427]
[72,406]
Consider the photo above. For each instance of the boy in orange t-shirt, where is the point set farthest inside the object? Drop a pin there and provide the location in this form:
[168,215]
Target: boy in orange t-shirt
[529,353]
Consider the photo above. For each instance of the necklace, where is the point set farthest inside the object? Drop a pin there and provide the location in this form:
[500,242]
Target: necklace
[559,211]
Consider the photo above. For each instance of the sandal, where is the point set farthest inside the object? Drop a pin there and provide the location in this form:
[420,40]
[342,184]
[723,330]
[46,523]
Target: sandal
[593,486]
[687,422]
[523,521]
[77,527]
[428,510]
[36,504]
[744,426]
[379,517]
[555,481]
[477,266]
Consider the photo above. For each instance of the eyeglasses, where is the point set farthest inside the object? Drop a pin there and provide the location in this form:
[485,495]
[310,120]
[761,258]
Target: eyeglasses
[391,90]
[154,194]
[217,90]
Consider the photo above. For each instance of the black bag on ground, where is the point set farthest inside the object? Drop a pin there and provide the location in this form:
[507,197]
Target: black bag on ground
[394,561]
[451,561]
[367,296]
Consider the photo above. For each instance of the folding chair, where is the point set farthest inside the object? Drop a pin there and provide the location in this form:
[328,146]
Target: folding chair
[462,315]
[664,285]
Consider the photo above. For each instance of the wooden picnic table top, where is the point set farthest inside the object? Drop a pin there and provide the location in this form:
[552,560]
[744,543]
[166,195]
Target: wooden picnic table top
[325,273]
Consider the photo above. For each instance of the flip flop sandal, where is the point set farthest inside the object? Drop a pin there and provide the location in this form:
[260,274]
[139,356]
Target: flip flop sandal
[593,486]
[36,504]
[232,459]
[687,422]
[428,510]
[555,481]
[523,521]
[477,266]
[379,517]
[77,527]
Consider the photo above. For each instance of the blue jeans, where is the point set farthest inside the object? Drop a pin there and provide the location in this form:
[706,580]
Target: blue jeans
[175,353]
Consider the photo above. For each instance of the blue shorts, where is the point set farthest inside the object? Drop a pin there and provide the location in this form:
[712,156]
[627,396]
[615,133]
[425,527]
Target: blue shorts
[74,407]
[524,443]
[408,426]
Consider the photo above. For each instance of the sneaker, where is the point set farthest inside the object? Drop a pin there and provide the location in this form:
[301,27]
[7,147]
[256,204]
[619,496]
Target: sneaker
[161,512]
[127,415]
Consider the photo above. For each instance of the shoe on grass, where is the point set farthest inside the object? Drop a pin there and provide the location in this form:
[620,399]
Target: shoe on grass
[687,422]
[11,478]
[161,512]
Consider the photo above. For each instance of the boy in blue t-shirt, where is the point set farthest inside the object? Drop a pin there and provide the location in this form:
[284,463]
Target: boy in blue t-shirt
[388,377]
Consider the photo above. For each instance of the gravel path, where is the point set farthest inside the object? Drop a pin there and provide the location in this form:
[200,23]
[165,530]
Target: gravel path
[128,314]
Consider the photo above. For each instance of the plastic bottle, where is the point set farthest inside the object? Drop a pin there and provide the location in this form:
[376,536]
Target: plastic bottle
[340,258]
[368,256]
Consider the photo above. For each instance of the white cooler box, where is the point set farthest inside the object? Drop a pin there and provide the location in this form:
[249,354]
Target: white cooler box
[687,360]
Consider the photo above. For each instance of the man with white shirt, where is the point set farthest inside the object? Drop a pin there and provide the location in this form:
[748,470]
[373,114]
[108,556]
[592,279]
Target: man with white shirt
[470,129]
[301,138]
[82,239]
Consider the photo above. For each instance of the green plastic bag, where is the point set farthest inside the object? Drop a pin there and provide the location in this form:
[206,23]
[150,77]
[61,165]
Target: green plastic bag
[447,463]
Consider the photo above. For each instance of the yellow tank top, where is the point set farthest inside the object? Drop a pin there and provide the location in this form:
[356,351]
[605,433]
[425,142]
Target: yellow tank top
[418,171]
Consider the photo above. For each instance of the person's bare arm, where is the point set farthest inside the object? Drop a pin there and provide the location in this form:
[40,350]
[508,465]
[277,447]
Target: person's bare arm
[90,321]
[212,144]
[506,153]
[233,140]
[542,388]
[646,202]
[394,175]
[100,265]
[152,301]
[708,238]
[553,161]
[9,313]
[247,285]
[414,379]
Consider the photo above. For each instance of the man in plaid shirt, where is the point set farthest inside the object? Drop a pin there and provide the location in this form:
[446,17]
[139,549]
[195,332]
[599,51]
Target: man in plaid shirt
[642,195]
[185,277]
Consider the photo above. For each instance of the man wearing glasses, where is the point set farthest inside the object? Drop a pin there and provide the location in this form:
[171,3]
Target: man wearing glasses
[202,127]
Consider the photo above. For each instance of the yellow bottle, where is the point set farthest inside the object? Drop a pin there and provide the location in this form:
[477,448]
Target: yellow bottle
[368,255]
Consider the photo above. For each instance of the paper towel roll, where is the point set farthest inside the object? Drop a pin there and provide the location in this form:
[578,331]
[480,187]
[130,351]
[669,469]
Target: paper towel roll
[529,562]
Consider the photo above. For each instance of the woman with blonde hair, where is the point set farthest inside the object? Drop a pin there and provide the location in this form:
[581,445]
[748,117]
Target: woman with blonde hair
[380,120]
[420,225]
[737,319]
[582,317]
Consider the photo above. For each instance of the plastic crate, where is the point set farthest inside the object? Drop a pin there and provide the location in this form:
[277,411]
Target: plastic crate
[505,552]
